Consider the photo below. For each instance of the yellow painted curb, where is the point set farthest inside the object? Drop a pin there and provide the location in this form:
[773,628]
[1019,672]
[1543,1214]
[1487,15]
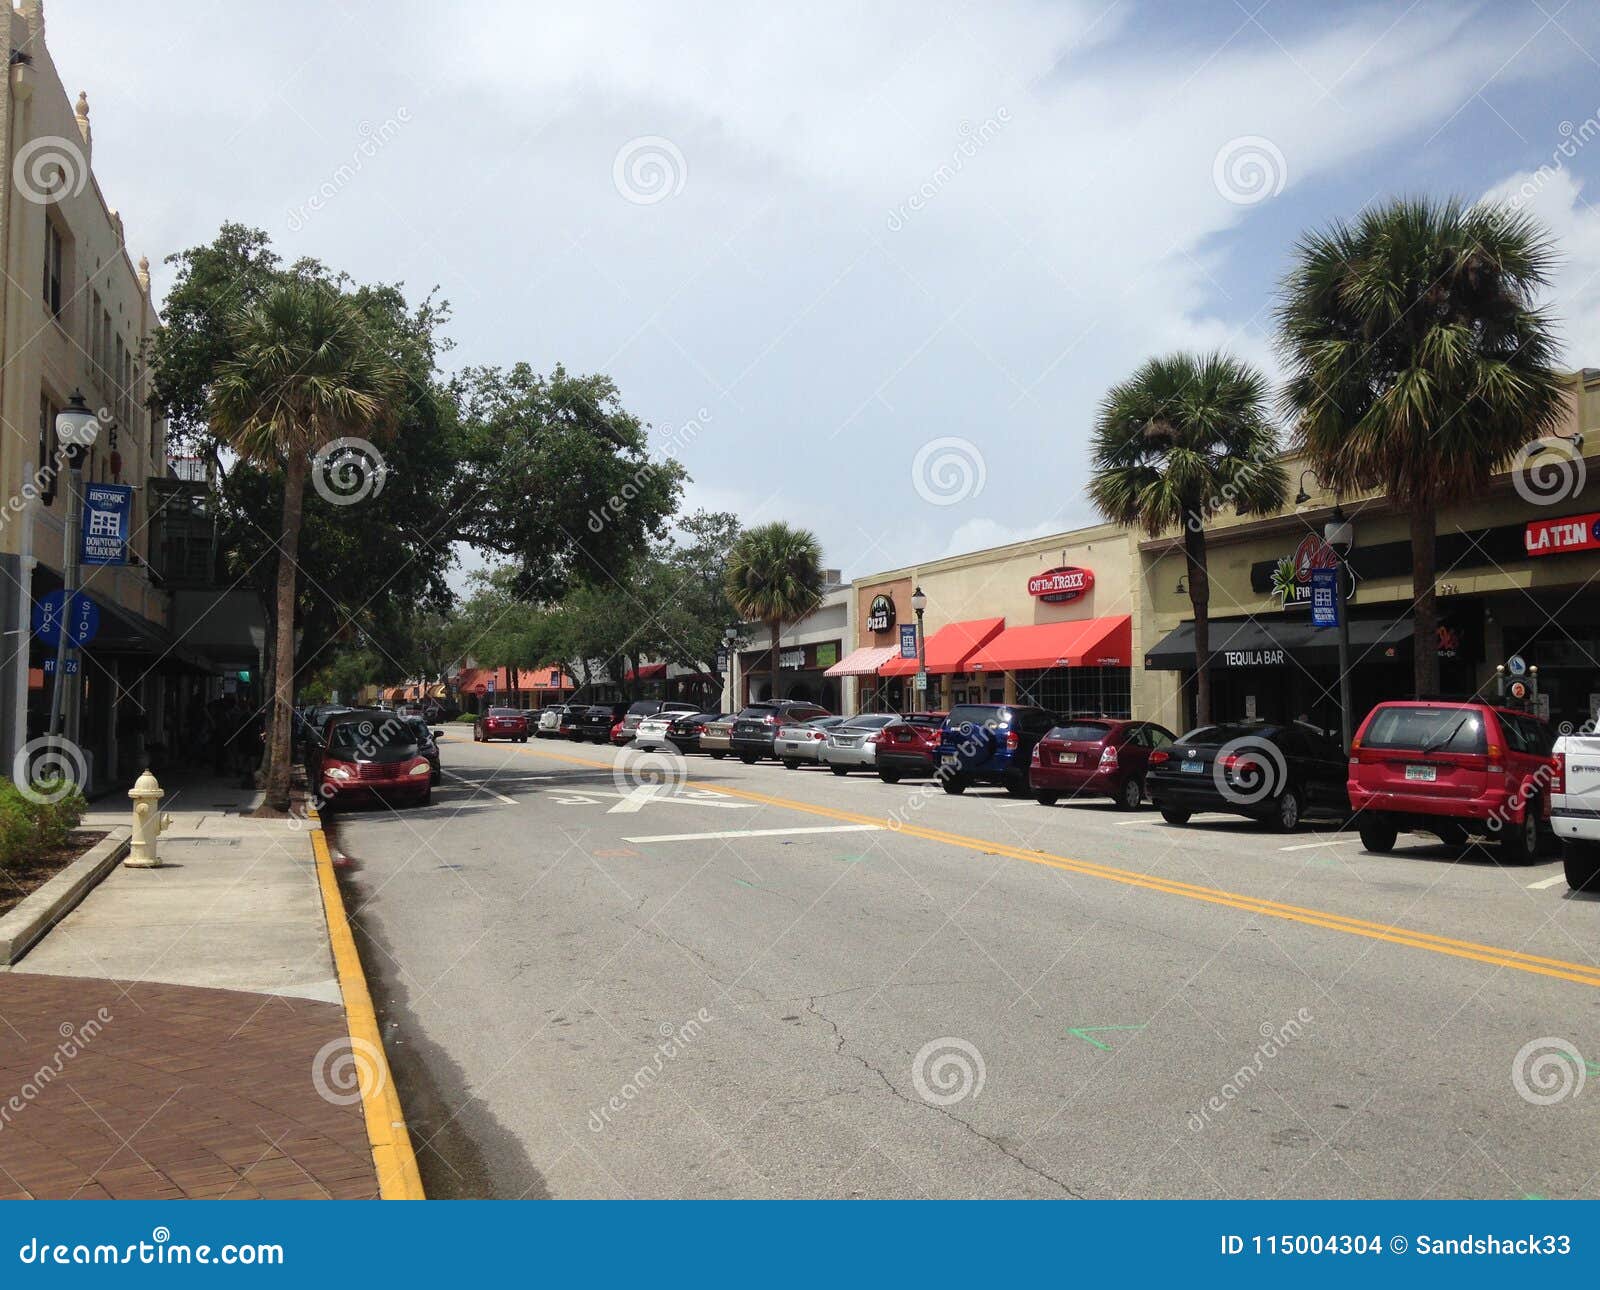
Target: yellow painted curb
[1516,960]
[392,1156]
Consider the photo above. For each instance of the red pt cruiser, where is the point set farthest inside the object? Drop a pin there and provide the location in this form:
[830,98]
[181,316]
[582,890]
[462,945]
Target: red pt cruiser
[1095,757]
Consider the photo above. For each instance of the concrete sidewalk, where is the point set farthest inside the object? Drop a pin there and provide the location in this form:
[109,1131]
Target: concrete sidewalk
[182,1031]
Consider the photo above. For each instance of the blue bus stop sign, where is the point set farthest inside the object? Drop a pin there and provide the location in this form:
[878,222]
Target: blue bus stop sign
[82,619]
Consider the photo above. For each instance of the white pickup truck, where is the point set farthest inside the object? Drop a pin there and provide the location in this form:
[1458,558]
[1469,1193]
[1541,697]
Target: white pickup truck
[1575,807]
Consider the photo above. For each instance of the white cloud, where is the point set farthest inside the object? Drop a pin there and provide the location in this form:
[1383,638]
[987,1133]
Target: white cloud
[1554,195]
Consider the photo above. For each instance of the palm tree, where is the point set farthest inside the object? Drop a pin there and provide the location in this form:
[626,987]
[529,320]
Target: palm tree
[1182,438]
[775,573]
[1419,364]
[303,370]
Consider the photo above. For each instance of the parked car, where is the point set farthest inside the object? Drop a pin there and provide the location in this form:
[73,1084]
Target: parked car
[651,731]
[717,738]
[368,753]
[686,731]
[1095,757]
[1451,769]
[501,723]
[989,743]
[548,726]
[620,734]
[427,745]
[755,726]
[802,741]
[908,746]
[571,723]
[1272,773]
[853,744]
[642,708]
[596,722]
[1575,807]
[409,710]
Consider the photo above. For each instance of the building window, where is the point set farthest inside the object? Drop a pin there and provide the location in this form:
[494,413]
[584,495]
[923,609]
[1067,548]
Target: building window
[1079,691]
[49,467]
[53,255]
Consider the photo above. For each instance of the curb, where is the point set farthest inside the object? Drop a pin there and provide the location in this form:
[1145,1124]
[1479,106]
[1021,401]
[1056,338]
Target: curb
[42,909]
[392,1156]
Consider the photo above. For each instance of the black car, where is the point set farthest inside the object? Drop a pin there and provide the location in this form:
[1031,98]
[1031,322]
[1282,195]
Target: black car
[595,722]
[990,743]
[755,725]
[1272,773]
[570,723]
[427,745]
[685,731]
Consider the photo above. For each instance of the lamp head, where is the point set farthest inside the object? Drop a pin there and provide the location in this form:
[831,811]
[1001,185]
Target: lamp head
[919,602]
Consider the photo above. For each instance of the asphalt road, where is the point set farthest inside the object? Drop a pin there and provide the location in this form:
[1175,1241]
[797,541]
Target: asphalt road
[758,982]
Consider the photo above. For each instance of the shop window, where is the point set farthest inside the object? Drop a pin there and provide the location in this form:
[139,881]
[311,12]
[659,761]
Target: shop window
[1101,691]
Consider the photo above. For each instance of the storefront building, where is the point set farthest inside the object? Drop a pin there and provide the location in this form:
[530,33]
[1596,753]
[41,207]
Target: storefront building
[808,649]
[1517,579]
[1051,621]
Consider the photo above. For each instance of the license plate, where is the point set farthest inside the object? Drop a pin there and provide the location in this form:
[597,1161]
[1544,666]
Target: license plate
[1067,759]
[1427,774]
[950,759]
[1193,767]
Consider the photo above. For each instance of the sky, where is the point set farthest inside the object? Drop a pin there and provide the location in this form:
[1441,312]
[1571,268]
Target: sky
[882,260]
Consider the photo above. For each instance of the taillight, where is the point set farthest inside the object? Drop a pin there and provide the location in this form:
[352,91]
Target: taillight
[697,730]
[1012,741]
[1558,773]
[1036,759]
[1158,756]
[1108,756]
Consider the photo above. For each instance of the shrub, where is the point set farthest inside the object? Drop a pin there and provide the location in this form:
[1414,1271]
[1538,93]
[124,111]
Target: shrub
[28,827]
[466,717]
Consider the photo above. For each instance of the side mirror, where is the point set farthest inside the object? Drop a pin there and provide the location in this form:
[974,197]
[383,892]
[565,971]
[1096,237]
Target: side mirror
[437,734]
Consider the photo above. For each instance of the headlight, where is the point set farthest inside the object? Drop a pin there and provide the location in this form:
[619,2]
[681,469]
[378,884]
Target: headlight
[336,772]
[421,768]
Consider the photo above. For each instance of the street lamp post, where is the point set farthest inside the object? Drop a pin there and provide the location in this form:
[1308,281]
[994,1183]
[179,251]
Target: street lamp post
[76,429]
[919,602]
[729,635]
[1340,534]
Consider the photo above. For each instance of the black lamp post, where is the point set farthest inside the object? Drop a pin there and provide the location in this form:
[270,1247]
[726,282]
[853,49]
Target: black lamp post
[919,602]
[1340,534]
[76,430]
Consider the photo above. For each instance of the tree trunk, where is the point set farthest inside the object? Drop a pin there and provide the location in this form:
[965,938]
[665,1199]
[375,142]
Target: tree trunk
[294,487]
[772,660]
[1425,605]
[1194,554]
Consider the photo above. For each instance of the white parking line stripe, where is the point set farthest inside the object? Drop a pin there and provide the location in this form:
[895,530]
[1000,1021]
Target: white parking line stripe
[755,833]
[480,788]
[1325,842]
[1547,882]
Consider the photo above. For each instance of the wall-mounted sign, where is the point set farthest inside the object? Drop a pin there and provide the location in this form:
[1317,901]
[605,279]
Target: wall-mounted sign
[1571,533]
[1292,578]
[107,521]
[1059,585]
[1252,657]
[880,614]
[792,659]
[908,640]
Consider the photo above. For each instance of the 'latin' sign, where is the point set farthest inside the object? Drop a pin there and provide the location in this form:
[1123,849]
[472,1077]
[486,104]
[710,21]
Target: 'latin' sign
[1572,533]
[1058,585]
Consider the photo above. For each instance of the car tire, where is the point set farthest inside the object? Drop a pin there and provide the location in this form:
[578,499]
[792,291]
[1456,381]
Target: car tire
[1285,817]
[1175,814]
[1452,834]
[425,797]
[1046,799]
[840,770]
[1130,795]
[889,776]
[789,763]
[435,779]
[1378,834]
[1582,864]
[718,756]
[955,786]
[1519,842]
[749,759]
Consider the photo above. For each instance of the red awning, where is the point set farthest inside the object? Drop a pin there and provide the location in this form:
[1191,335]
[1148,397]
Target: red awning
[649,672]
[950,649]
[864,661]
[1088,642]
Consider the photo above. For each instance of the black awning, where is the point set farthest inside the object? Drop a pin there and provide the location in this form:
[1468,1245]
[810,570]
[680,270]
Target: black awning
[1280,642]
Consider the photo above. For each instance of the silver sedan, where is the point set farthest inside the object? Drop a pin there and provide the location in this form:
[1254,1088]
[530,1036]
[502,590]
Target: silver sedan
[853,745]
[802,741]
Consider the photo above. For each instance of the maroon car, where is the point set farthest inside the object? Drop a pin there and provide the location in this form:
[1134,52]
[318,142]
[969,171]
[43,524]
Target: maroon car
[907,746]
[1095,757]
[501,723]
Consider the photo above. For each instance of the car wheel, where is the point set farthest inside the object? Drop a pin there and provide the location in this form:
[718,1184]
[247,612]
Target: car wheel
[1285,817]
[1378,834]
[889,776]
[425,797]
[1519,841]
[436,778]
[749,759]
[1175,815]
[1582,864]
[840,770]
[1130,794]
[789,763]
[955,786]
[1047,799]
[718,756]
[522,739]
[1451,834]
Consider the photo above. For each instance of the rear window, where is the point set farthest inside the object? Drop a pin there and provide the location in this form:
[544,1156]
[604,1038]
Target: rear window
[504,712]
[1226,734]
[923,719]
[1442,729]
[875,721]
[1087,732]
[756,711]
[644,708]
[979,714]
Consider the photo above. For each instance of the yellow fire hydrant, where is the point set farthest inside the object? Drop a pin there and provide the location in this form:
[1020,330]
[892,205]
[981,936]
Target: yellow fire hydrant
[148,823]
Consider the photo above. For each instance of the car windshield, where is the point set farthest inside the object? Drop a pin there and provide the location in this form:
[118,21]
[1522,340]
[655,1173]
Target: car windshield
[1228,733]
[876,721]
[369,736]
[419,728]
[1440,729]
[1082,732]
[979,714]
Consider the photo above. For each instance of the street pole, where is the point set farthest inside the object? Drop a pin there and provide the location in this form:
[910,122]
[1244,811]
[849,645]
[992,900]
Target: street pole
[76,430]
[919,602]
[1340,534]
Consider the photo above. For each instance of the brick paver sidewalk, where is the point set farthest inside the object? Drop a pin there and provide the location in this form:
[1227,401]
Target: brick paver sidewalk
[134,1089]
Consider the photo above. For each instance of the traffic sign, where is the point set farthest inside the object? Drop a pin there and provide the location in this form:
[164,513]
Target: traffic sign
[1517,665]
[83,619]
[922,681]
[50,667]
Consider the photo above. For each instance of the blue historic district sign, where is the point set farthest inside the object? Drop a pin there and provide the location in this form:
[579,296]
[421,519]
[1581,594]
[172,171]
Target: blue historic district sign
[908,640]
[107,521]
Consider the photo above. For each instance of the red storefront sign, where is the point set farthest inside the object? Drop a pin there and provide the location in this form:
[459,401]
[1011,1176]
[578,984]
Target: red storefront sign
[1062,584]
[1570,533]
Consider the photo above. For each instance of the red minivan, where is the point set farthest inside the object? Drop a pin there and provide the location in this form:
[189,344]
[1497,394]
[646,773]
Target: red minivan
[1095,757]
[1449,769]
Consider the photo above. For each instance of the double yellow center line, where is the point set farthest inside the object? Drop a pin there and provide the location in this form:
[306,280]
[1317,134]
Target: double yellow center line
[1582,974]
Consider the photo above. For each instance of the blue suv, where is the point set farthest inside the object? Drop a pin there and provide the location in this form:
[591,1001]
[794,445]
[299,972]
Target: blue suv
[989,743]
